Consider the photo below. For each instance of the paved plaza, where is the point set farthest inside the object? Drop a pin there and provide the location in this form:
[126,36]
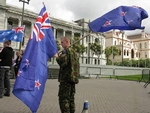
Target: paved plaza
[104,96]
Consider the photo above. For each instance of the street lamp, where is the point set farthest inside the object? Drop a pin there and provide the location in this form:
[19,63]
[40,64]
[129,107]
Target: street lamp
[122,45]
[24,1]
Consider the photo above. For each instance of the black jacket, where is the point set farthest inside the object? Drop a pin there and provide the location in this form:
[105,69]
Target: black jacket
[18,61]
[6,56]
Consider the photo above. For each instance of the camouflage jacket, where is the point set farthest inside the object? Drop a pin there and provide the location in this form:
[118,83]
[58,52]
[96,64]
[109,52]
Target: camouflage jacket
[69,66]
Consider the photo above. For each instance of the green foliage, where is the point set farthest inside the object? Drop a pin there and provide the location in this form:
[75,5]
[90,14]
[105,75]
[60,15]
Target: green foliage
[107,53]
[127,77]
[58,45]
[130,77]
[96,48]
[111,50]
[109,62]
[79,48]
[135,63]
[114,51]
[126,63]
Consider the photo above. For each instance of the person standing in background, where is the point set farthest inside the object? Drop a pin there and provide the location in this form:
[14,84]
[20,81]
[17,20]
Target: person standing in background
[6,56]
[17,62]
[68,76]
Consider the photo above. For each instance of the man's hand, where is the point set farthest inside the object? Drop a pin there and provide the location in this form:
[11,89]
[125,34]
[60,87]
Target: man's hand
[56,55]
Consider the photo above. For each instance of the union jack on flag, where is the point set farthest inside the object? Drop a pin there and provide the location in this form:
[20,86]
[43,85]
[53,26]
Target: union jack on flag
[42,22]
[19,29]
[30,83]
[15,34]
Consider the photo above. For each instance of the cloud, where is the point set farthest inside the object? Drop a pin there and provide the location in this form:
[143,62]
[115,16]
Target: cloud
[89,9]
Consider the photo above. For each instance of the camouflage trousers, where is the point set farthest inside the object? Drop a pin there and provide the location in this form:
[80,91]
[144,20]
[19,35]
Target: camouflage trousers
[66,97]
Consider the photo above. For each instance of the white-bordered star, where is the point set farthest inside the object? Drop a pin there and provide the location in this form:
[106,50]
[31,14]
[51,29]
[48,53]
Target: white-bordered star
[37,84]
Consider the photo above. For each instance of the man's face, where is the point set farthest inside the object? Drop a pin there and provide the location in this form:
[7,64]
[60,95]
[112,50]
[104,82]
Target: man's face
[5,44]
[64,43]
[17,53]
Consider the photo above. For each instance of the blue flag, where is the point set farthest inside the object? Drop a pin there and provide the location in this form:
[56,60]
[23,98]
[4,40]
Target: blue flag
[121,18]
[33,71]
[15,34]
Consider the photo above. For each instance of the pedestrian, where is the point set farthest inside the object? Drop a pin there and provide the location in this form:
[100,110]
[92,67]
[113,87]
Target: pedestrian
[17,62]
[68,76]
[6,56]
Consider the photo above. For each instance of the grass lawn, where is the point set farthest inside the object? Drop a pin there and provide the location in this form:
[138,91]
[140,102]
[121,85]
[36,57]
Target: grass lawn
[128,77]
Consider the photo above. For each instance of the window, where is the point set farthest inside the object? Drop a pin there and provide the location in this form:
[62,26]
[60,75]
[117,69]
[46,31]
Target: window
[10,24]
[127,52]
[119,52]
[140,46]
[136,54]
[95,61]
[115,42]
[86,61]
[145,45]
[145,54]
[124,52]
[98,61]
[96,40]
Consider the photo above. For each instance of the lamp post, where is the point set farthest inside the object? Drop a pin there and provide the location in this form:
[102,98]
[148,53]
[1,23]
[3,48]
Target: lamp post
[122,45]
[101,50]
[24,1]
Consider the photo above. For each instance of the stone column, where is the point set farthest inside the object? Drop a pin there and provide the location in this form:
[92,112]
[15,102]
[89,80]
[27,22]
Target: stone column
[32,26]
[64,32]
[6,22]
[72,36]
[19,22]
[54,32]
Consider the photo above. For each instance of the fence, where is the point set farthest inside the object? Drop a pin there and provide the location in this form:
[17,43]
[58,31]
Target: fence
[101,71]
[145,77]
[107,71]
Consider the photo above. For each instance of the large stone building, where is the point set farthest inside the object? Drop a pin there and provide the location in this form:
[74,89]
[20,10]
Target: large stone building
[11,16]
[134,47]
[142,41]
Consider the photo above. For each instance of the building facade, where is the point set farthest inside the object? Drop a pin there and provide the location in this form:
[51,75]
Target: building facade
[11,17]
[142,41]
[127,48]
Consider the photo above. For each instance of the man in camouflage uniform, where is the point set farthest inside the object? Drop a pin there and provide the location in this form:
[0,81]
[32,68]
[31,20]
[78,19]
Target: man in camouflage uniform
[68,76]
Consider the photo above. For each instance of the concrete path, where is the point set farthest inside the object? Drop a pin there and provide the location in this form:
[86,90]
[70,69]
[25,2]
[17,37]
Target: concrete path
[104,96]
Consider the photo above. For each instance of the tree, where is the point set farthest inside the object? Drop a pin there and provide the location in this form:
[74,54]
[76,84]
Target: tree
[58,47]
[96,49]
[114,51]
[79,48]
[107,53]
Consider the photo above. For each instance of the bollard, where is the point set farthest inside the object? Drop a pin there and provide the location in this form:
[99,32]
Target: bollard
[85,107]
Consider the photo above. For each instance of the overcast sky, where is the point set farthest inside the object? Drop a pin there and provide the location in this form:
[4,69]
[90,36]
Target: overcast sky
[89,9]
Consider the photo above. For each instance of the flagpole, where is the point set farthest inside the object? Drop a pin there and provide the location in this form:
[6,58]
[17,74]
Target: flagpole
[20,44]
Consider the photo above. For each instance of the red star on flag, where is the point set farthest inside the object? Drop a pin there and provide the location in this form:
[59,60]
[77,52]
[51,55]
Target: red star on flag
[107,23]
[123,13]
[130,21]
[27,62]
[37,84]
[19,73]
